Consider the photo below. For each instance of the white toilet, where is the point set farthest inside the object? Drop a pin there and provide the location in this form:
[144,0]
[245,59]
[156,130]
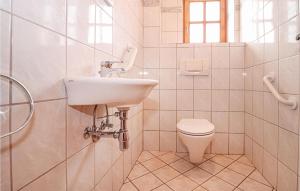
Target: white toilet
[196,134]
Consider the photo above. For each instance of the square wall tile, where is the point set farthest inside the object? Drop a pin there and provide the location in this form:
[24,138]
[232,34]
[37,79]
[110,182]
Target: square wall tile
[202,82]
[151,120]
[45,57]
[287,179]
[220,143]
[237,122]
[289,75]
[102,162]
[151,16]
[168,99]
[236,143]
[220,100]
[185,82]
[5,54]
[258,129]
[270,108]
[271,138]
[167,120]
[288,46]
[151,140]
[169,21]
[220,79]
[80,59]
[185,99]
[152,101]
[237,100]
[167,141]
[53,9]
[220,56]
[167,57]
[79,26]
[270,168]
[237,79]
[202,115]
[5,153]
[167,78]
[77,120]
[80,170]
[151,36]
[151,57]
[202,100]
[237,57]
[220,121]
[46,130]
[258,156]
[289,118]
[288,149]
[52,180]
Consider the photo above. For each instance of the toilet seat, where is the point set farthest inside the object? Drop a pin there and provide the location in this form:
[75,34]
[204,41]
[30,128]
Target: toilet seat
[195,127]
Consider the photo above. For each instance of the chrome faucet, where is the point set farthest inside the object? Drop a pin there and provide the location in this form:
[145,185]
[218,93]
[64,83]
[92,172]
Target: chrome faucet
[107,70]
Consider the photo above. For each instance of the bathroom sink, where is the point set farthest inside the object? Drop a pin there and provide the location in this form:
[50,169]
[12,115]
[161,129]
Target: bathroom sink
[110,91]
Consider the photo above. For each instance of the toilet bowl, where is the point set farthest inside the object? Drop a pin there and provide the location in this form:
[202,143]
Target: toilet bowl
[196,135]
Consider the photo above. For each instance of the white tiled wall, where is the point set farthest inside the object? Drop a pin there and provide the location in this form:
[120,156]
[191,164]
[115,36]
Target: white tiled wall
[218,97]
[41,43]
[271,128]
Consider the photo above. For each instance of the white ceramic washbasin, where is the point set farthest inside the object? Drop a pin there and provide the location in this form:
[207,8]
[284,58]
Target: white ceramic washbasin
[110,91]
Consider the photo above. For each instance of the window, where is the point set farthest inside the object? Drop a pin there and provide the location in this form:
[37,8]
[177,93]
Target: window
[204,21]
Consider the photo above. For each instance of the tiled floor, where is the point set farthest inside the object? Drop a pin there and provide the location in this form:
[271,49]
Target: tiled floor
[167,171]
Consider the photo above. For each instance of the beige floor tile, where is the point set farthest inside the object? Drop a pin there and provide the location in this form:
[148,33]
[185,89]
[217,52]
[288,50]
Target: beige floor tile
[255,175]
[231,177]
[169,157]
[137,171]
[216,184]
[211,167]
[126,180]
[182,183]
[234,157]
[163,188]
[200,188]
[252,185]
[198,175]
[209,156]
[128,187]
[181,155]
[182,165]
[166,173]
[158,153]
[147,182]
[241,168]
[222,160]
[145,155]
[246,161]
[153,164]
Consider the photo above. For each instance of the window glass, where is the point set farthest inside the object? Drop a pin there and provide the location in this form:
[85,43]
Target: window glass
[196,33]
[213,11]
[212,32]
[196,11]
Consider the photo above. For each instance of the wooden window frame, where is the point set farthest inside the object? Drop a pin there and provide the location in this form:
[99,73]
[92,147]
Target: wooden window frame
[186,20]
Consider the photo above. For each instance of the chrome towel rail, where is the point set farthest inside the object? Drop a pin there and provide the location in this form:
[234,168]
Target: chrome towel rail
[268,79]
[31,105]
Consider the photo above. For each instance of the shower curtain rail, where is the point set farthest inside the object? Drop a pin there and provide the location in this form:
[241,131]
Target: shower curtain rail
[31,105]
[291,101]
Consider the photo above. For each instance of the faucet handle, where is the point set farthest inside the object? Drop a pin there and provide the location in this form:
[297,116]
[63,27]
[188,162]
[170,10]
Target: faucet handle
[109,63]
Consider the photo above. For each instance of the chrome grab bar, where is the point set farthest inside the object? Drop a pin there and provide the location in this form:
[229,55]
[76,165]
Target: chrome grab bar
[268,79]
[31,105]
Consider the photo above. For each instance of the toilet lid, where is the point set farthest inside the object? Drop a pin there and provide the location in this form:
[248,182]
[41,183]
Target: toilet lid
[195,126]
